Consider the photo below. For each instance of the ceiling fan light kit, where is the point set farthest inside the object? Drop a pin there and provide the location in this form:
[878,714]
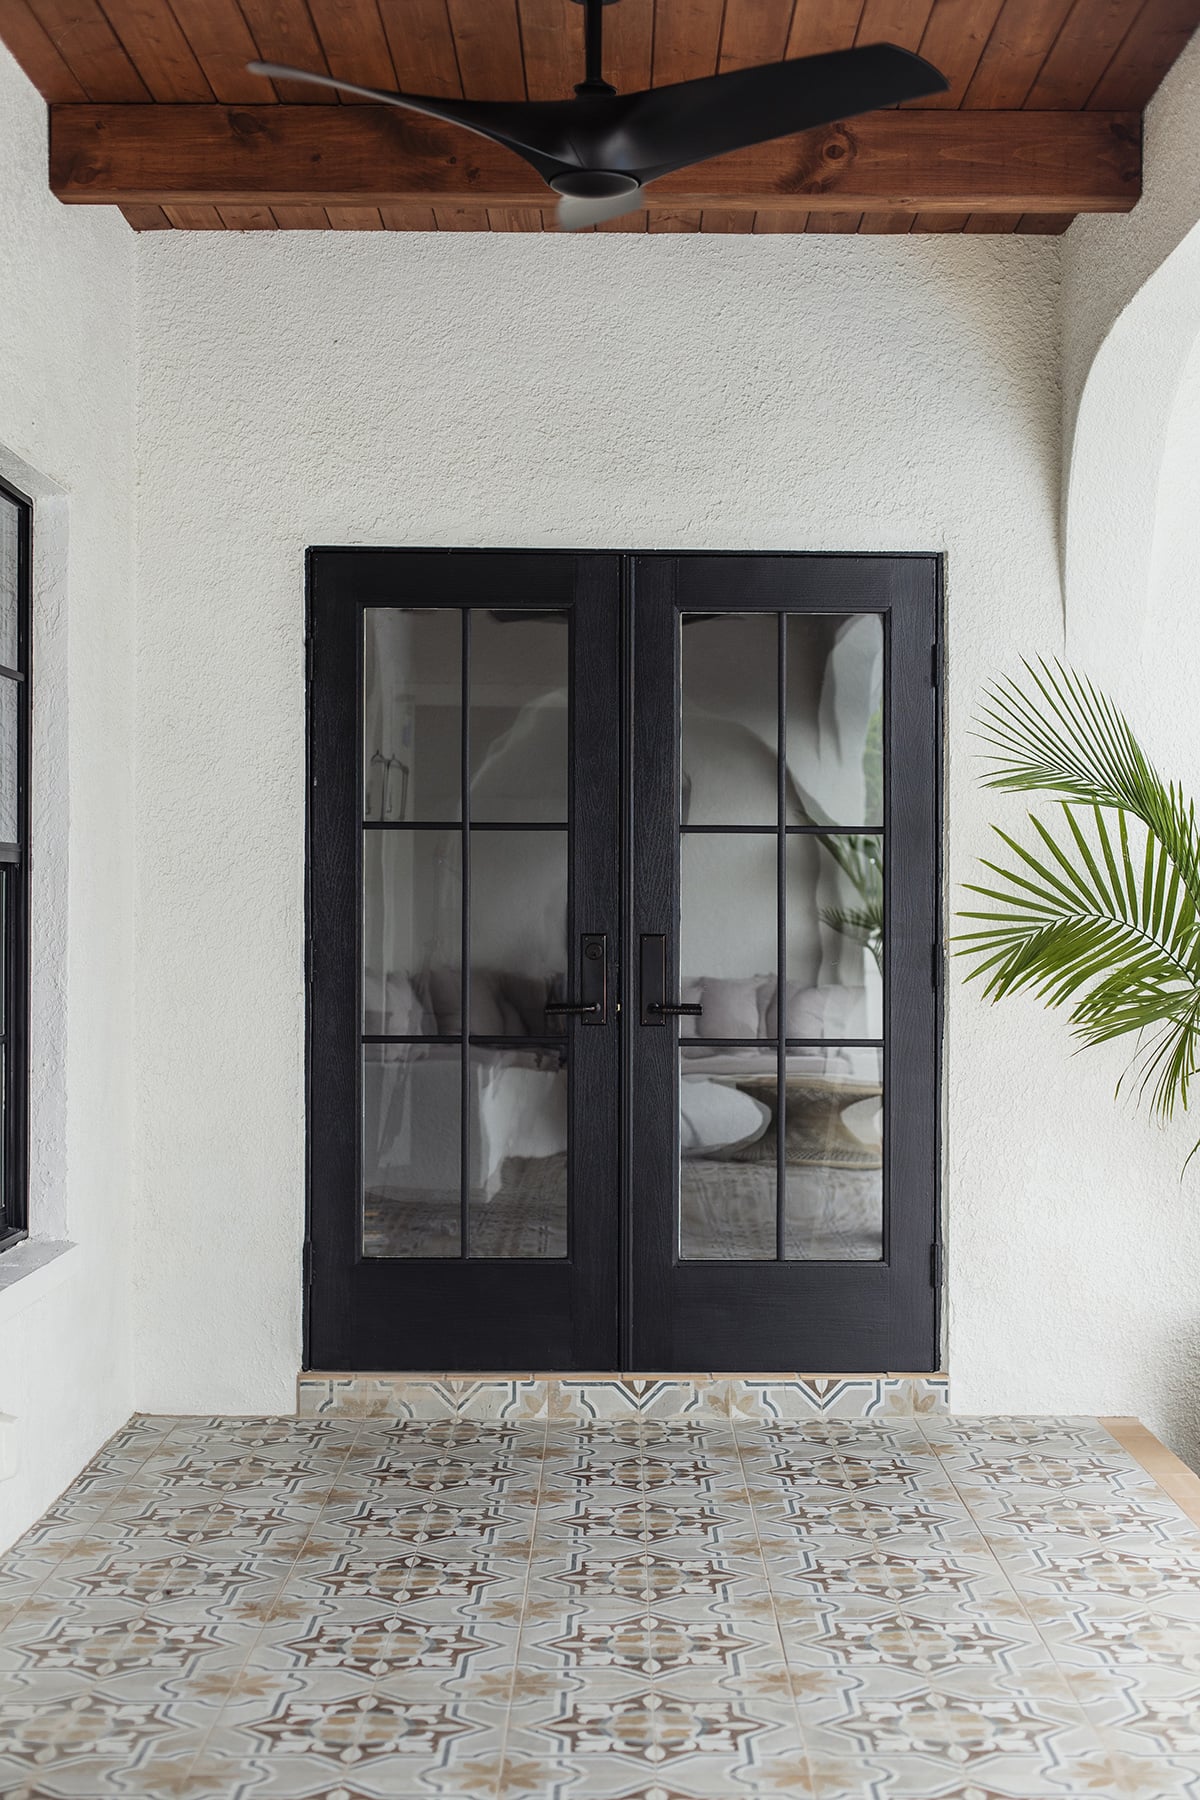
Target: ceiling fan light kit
[599,151]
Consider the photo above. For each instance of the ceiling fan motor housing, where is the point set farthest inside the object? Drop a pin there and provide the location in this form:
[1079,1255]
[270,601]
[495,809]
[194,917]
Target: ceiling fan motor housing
[593,184]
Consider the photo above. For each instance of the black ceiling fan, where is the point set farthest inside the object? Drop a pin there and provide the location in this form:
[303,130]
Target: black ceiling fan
[600,150]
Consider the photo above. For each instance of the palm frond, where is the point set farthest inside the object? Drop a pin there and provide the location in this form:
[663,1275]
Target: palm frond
[1103,915]
[1070,739]
[860,858]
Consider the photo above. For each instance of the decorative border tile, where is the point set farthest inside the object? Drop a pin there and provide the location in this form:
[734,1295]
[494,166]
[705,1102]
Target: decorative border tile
[514,1399]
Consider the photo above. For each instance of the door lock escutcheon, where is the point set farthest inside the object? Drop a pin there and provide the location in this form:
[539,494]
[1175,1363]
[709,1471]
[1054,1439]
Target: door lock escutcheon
[592,1004]
[656,1008]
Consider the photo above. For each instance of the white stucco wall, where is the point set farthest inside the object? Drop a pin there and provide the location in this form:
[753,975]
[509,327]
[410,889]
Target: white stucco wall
[791,393]
[66,437]
[1131,361]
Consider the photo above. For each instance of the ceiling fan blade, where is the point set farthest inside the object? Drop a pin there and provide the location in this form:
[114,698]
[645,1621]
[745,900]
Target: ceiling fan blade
[514,125]
[644,135]
[576,214]
[670,128]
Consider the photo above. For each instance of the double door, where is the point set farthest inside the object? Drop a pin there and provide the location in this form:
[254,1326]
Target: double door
[622,961]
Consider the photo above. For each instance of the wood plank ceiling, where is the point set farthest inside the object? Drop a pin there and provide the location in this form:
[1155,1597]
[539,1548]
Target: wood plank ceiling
[100,61]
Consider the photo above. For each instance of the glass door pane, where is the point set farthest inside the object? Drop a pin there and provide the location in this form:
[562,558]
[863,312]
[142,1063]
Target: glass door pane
[781,937]
[464,933]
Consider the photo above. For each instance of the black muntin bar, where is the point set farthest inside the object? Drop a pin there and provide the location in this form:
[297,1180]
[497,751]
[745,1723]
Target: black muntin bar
[781,956]
[464,1170]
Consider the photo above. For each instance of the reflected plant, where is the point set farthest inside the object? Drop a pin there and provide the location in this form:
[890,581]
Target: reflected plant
[861,861]
[1103,914]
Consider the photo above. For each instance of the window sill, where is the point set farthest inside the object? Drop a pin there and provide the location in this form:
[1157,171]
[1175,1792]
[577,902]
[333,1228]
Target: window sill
[32,1268]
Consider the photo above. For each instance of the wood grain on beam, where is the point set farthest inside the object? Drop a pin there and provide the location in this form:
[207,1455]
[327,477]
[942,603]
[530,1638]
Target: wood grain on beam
[673,218]
[818,29]
[1081,53]
[991,224]
[158,49]
[687,39]
[422,46]
[725,219]
[772,220]
[888,224]
[487,40]
[840,222]
[909,161]
[552,46]
[307,218]
[38,55]
[405,218]
[147,218]
[955,38]
[900,22]
[222,45]
[90,48]
[283,31]
[200,218]
[754,32]
[628,47]
[354,43]
[1153,41]
[1020,42]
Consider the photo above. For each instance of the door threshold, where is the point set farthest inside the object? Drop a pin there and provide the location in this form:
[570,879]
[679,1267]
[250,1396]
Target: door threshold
[526,1398]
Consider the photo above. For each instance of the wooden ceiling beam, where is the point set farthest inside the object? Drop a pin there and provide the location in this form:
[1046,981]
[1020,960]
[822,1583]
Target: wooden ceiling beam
[894,161]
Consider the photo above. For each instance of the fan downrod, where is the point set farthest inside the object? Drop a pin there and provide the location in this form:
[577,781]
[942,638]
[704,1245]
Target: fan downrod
[593,36]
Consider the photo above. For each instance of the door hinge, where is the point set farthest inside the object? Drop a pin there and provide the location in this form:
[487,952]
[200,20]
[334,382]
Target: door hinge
[310,654]
[306,1264]
[935,966]
[935,1264]
[935,664]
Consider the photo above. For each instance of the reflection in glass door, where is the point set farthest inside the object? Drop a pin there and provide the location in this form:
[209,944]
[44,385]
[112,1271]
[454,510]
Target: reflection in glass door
[781,937]
[464,932]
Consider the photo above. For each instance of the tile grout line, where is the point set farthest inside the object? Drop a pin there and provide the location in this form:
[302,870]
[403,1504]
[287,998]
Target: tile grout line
[502,1756]
[220,1709]
[57,1559]
[1100,1732]
[649,1612]
[800,1732]
[877,1549]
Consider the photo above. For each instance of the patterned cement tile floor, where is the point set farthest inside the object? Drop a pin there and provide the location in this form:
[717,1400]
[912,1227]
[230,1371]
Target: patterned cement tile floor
[935,1609]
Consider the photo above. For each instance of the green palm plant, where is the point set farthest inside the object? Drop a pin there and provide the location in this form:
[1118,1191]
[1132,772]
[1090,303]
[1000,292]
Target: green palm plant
[1102,915]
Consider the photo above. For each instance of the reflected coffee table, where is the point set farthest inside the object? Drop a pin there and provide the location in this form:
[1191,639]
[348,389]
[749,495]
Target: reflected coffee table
[815,1132]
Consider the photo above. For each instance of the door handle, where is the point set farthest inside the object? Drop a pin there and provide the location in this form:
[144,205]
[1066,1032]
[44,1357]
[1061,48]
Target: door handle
[592,1004]
[656,1009]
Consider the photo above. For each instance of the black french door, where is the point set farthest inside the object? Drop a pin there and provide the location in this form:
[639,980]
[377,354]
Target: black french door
[782,1143]
[622,885]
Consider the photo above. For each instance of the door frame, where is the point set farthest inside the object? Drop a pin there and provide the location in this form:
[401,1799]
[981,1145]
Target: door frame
[930,566]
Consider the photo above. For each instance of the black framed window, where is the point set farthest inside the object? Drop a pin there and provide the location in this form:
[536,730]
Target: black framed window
[15,635]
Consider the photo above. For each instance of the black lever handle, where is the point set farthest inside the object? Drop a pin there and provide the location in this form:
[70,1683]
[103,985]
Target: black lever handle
[655,1009]
[592,1004]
